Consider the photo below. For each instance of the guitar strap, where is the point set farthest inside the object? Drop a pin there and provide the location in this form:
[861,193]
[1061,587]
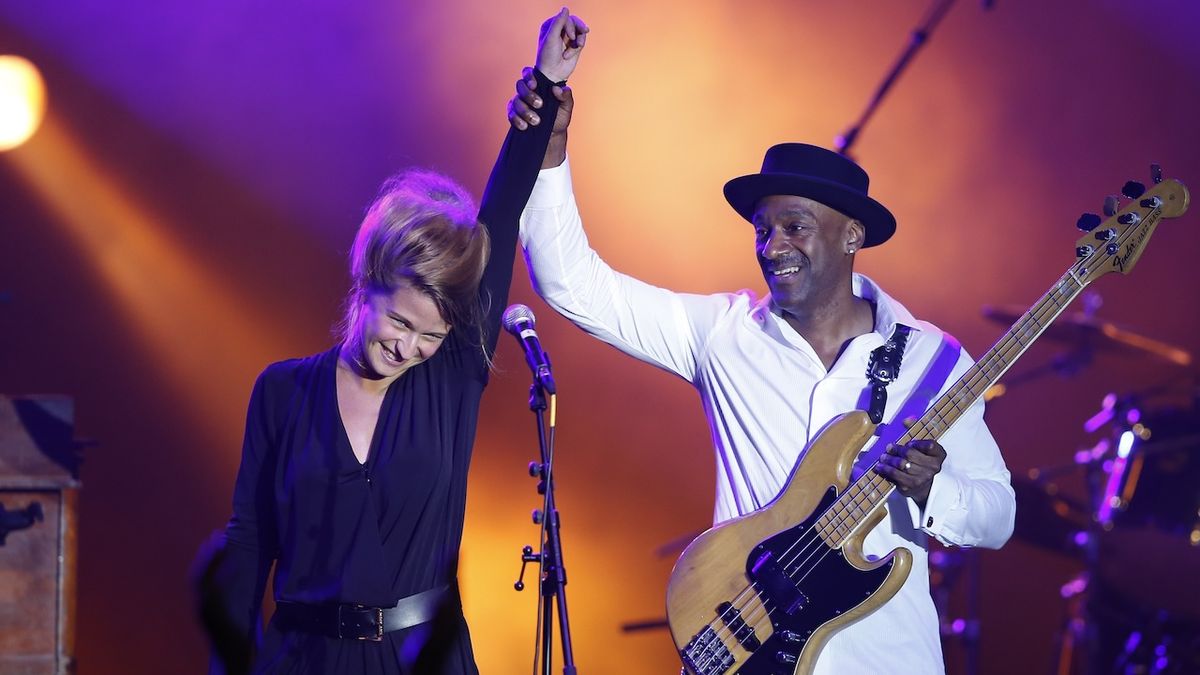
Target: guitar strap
[884,367]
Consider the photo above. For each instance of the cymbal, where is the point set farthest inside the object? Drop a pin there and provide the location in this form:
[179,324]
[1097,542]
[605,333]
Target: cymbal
[1087,332]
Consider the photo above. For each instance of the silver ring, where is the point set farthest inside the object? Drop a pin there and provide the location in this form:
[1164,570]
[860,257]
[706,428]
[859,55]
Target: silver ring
[907,466]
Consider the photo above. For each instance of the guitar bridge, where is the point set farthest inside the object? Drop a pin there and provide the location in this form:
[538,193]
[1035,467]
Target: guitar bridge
[706,654]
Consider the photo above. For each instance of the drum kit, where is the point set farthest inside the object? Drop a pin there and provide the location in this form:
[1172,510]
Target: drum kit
[1135,606]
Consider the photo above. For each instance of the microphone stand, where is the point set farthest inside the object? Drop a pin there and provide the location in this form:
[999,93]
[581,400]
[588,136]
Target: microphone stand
[553,574]
[919,37]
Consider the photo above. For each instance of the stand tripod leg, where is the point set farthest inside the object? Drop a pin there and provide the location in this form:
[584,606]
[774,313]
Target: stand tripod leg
[1074,625]
[553,573]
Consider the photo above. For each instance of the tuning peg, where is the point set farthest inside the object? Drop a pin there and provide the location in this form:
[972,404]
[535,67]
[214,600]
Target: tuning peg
[1088,222]
[1111,203]
[1133,189]
[1156,173]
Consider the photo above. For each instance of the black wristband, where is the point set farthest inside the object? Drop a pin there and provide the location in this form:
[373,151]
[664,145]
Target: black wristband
[542,79]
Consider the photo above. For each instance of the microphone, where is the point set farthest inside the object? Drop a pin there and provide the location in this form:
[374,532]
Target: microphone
[518,320]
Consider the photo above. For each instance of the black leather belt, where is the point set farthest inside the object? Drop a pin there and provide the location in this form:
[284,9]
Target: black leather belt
[360,622]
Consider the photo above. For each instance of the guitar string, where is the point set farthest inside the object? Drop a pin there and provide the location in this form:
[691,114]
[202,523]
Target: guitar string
[860,495]
[753,621]
[814,545]
[855,505]
[829,528]
[838,510]
[720,625]
[712,658]
[1037,317]
[724,628]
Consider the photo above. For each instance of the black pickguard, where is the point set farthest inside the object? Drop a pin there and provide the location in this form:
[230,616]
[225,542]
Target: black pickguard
[830,587]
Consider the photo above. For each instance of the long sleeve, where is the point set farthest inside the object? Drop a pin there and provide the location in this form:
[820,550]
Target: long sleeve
[655,325]
[971,502]
[508,189]
[251,543]
[749,372]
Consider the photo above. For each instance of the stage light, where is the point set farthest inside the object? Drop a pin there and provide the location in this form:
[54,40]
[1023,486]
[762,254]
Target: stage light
[22,101]
[161,289]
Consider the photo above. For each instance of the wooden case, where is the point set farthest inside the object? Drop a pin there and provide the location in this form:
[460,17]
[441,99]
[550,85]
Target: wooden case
[39,465]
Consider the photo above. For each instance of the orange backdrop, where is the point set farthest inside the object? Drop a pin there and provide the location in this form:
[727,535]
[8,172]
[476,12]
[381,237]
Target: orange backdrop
[182,218]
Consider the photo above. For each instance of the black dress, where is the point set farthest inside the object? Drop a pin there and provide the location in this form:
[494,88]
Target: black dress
[343,532]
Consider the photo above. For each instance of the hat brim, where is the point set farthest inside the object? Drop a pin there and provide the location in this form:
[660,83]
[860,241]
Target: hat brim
[743,194]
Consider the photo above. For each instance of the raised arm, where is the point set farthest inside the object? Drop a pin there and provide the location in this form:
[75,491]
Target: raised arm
[653,324]
[560,44]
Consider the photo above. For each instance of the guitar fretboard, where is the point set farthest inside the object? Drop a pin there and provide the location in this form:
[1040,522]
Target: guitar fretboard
[870,491]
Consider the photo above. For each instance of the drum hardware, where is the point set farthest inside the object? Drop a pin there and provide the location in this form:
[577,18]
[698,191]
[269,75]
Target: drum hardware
[1087,335]
[1134,608]
[1072,635]
[946,567]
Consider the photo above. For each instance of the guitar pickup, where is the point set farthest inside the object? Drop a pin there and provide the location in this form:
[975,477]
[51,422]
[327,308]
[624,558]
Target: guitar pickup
[773,582]
[742,631]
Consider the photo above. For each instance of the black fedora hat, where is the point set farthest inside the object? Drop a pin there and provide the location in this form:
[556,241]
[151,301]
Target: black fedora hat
[816,173]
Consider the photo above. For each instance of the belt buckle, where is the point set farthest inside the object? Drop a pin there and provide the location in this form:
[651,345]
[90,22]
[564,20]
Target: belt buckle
[377,622]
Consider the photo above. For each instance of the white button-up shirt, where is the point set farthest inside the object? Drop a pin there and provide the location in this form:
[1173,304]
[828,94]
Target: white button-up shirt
[766,394]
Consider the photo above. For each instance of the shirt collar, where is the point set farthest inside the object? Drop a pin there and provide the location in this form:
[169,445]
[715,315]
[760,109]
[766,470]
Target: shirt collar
[888,312]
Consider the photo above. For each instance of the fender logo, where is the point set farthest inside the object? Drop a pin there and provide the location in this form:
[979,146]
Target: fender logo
[1133,247]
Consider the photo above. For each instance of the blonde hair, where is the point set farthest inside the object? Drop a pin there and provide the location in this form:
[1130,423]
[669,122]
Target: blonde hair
[422,231]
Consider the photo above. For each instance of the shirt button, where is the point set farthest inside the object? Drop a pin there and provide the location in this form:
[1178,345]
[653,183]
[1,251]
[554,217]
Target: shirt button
[929,523]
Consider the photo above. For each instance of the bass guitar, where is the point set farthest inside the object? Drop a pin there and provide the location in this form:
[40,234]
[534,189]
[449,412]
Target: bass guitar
[761,594]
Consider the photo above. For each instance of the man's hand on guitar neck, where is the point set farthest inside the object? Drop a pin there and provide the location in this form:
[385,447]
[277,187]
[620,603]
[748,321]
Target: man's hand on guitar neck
[911,467]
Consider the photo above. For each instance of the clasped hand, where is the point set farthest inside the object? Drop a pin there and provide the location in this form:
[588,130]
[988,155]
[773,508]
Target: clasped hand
[560,42]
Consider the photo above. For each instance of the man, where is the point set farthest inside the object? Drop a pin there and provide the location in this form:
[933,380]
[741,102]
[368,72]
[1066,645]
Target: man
[772,372]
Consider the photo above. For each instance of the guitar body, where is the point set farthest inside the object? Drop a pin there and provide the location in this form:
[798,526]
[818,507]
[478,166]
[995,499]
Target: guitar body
[761,594]
[780,629]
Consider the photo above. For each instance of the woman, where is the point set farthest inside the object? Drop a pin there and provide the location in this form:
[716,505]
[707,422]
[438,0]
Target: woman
[354,463]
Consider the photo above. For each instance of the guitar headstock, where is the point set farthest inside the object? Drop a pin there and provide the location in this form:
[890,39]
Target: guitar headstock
[1116,244]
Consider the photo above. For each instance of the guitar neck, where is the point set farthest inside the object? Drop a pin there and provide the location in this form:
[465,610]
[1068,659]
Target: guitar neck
[1112,246]
[993,364]
[871,489]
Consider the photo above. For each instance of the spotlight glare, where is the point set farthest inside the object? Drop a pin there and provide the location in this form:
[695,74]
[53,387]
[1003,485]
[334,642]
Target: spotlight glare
[22,101]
